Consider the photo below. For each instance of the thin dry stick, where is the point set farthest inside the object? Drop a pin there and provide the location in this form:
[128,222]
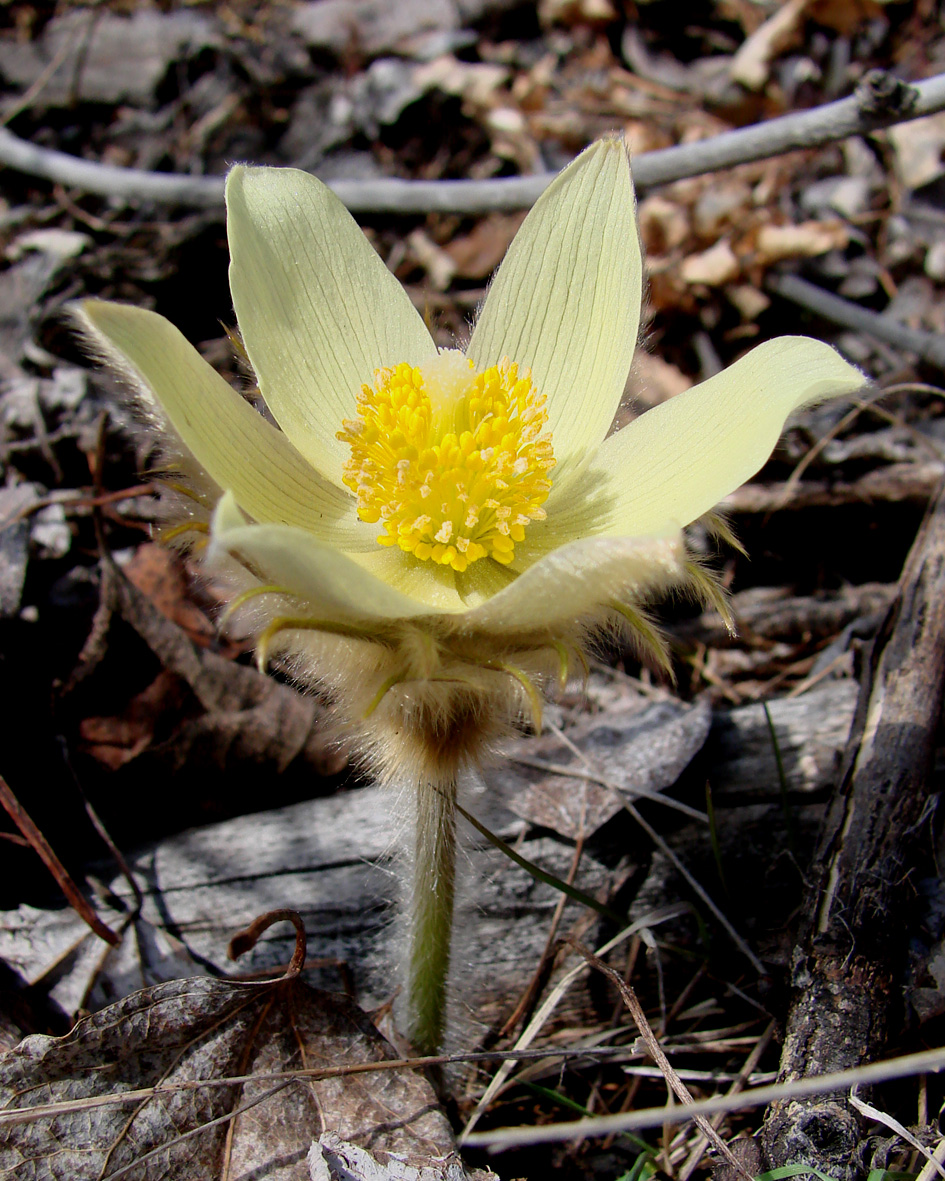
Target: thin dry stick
[75,897]
[548,1006]
[909,1065]
[881,100]
[738,1084]
[633,1121]
[655,1050]
[927,345]
[26,1115]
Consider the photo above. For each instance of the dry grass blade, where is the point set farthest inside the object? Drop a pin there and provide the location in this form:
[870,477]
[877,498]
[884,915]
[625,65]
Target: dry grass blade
[938,1157]
[534,1026]
[882,1117]
[668,852]
[679,1088]
[910,1064]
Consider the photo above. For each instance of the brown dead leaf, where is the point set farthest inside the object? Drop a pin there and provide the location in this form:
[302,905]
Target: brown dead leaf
[114,741]
[844,16]
[575,12]
[805,240]
[652,380]
[664,224]
[437,263]
[200,717]
[126,1093]
[477,254]
[713,267]
[780,32]
[158,573]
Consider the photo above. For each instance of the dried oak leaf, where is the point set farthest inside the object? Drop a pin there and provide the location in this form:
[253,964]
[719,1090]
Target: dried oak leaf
[121,1095]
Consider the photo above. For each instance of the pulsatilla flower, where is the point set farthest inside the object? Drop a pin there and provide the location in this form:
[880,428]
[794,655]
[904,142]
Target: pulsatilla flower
[434,536]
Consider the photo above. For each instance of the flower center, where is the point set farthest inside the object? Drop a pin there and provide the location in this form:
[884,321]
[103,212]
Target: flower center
[452,462]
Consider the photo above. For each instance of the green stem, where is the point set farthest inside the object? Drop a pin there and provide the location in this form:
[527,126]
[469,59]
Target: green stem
[431,913]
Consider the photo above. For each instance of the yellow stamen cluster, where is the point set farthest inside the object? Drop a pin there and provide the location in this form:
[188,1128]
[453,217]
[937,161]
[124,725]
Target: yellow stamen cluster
[452,462]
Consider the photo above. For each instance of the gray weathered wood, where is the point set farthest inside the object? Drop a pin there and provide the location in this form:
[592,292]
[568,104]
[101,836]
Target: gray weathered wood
[849,957]
[333,859]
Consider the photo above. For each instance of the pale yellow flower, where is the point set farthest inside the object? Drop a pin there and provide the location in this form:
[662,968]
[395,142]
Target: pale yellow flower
[439,531]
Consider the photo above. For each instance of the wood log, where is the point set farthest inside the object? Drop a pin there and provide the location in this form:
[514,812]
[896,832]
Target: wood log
[896,483]
[853,934]
[331,858]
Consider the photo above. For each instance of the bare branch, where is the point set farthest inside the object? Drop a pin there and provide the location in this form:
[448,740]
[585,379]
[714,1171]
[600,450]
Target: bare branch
[880,101]
[927,345]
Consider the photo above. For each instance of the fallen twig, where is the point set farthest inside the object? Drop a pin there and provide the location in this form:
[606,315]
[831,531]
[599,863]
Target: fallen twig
[881,100]
[655,1051]
[655,1117]
[74,895]
[927,345]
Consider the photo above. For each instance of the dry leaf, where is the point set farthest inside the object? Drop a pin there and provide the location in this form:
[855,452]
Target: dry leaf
[918,148]
[805,240]
[749,301]
[158,573]
[713,267]
[652,380]
[575,12]
[477,254]
[118,1096]
[844,16]
[780,32]
[331,1159]
[664,224]
[437,263]
[202,712]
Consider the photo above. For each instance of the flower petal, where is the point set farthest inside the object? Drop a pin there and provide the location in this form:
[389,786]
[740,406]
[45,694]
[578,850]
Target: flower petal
[577,579]
[425,582]
[318,309]
[679,459]
[234,444]
[334,585]
[566,300]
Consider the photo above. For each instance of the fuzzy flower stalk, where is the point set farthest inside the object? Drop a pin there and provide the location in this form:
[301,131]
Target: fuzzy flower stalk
[434,536]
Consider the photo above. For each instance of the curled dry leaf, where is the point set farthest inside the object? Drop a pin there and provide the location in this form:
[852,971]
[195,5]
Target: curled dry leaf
[751,64]
[713,267]
[808,239]
[139,1090]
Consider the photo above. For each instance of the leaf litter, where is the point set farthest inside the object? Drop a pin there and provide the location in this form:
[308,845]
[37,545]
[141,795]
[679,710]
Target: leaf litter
[195,1077]
[441,90]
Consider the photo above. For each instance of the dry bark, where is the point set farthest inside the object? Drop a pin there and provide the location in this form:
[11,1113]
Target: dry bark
[845,964]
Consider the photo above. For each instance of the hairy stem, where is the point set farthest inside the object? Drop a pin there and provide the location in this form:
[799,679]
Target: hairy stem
[431,912]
